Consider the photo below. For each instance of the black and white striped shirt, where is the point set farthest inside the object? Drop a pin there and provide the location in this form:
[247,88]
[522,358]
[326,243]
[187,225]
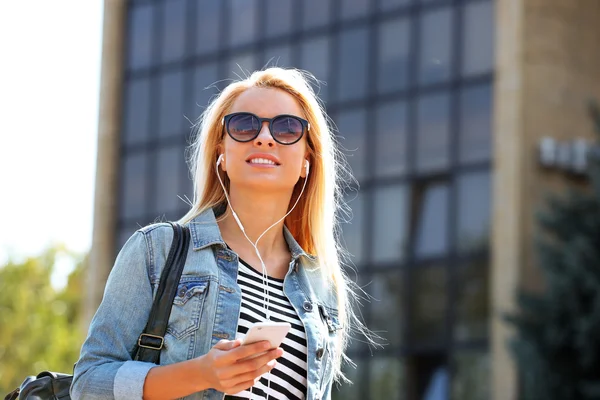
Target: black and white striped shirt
[288,378]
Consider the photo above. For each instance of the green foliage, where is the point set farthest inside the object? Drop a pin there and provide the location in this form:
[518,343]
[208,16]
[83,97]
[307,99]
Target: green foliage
[557,347]
[39,325]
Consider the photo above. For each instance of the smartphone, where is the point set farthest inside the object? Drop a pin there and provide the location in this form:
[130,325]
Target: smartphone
[274,332]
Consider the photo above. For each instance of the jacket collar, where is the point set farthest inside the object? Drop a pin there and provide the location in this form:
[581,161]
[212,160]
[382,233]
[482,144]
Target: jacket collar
[205,232]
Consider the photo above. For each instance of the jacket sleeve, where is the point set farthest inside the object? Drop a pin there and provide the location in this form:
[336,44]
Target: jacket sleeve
[105,369]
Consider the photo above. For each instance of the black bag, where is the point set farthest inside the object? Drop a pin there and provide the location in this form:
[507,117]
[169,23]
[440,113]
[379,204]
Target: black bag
[55,386]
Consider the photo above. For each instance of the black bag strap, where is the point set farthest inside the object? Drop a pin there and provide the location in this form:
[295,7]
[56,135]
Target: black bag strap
[151,341]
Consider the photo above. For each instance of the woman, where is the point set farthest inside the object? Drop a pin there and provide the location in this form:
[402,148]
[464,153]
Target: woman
[263,228]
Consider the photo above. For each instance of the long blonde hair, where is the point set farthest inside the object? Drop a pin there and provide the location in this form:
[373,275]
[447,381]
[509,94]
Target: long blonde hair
[317,233]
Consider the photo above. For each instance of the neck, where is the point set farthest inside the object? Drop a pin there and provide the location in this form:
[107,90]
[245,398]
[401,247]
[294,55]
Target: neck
[257,212]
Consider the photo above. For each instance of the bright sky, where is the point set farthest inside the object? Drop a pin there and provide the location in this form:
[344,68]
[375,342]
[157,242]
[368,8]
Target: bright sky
[49,88]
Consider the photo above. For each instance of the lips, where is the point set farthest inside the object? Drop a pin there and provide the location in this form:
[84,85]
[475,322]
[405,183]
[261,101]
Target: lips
[263,159]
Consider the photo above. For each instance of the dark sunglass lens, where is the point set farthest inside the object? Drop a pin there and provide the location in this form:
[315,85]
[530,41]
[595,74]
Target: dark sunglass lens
[287,129]
[243,127]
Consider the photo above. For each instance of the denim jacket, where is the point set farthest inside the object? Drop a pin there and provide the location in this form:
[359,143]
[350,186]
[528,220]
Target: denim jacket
[205,310]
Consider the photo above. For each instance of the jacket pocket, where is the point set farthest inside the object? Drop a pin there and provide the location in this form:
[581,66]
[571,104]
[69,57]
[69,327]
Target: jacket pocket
[187,307]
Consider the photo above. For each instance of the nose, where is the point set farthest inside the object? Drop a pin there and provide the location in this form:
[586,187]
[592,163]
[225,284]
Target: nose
[264,137]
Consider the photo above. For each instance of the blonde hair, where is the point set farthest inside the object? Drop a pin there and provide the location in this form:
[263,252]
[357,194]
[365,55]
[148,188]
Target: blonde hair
[318,232]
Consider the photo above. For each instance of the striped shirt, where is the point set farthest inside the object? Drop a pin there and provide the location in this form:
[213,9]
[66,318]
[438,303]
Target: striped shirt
[288,379]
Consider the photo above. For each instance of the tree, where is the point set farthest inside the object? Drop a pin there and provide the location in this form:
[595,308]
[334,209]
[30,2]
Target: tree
[39,324]
[557,347]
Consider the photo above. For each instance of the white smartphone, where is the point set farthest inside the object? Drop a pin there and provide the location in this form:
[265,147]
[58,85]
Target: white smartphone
[274,332]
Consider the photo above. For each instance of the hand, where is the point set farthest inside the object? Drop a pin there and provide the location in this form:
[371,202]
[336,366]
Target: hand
[226,366]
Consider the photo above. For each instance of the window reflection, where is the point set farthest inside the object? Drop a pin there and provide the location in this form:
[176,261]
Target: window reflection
[140,43]
[475,124]
[280,56]
[386,5]
[431,209]
[478,37]
[471,377]
[351,126]
[428,304]
[433,133]
[390,141]
[241,66]
[204,88]
[387,377]
[315,59]
[474,202]
[393,66]
[169,167]
[389,224]
[242,21]
[133,186]
[436,46]
[137,111]
[207,23]
[315,13]
[279,17]
[171,119]
[387,313]
[354,8]
[472,309]
[356,376]
[173,36]
[352,75]
[353,230]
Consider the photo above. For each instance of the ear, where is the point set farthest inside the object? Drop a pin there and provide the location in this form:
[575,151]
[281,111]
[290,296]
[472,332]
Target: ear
[303,170]
[221,150]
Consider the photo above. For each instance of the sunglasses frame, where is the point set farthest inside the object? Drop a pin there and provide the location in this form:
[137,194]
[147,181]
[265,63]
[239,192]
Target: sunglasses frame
[228,117]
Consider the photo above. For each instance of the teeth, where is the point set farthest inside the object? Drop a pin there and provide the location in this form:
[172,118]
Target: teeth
[261,161]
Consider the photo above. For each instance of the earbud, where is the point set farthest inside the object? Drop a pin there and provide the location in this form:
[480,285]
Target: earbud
[306,167]
[221,156]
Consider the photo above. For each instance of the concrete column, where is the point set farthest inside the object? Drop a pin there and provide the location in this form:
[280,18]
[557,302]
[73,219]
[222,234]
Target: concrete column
[547,68]
[107,164]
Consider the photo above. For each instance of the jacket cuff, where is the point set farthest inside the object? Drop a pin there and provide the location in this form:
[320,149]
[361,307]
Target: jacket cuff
[129,380]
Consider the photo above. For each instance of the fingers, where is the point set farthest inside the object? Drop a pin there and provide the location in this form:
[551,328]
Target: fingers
[248,379]
[227,344]
[256,364]
[250,350]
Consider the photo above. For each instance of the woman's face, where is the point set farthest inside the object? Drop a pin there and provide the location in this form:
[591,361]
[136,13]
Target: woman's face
[242,159]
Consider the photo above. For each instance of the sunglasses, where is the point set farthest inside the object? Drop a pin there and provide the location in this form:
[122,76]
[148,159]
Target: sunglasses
[285,129]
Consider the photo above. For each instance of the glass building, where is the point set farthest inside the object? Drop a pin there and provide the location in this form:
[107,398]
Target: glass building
[409,85]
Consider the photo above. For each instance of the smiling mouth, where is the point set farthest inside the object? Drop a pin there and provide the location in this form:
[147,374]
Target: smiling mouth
[262,161]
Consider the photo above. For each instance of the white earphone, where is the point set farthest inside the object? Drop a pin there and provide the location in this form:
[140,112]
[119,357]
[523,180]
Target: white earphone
[307,167]
[221,157]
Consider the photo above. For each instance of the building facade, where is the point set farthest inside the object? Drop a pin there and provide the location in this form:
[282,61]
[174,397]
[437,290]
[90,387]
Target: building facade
[438,106]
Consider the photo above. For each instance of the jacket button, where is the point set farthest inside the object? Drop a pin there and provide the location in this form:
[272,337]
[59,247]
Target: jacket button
[320,353]
[307,306]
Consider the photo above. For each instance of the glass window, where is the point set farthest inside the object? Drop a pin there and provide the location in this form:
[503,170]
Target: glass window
[352,76]
[280,56]
[243,25]
[356,375]
[387,5]
[387,291]
[387,377]
[390,141]
[137,111]
[393,63]
[436,46]
[140,43]
[474,203]
[204,88]
[478,38]
[471,375]
[125,234]
[241,66]
[315,59]
[475,137]
[208,17]
[279,17]
[169,167]
[472,303]
[431,376]
[390,224]
[352,128]
[171,118]
[173,37]
[431,209]
[429,304]
[315,13]
[433,133]
[354,8]
[133,186]
[353,230]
